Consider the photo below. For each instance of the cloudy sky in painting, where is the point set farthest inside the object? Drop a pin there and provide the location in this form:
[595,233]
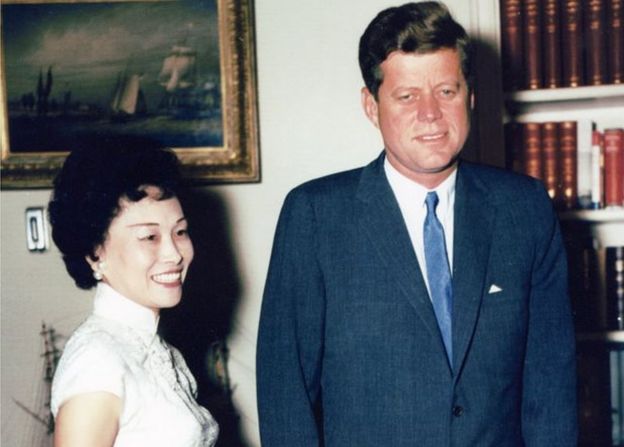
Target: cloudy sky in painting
[89,44]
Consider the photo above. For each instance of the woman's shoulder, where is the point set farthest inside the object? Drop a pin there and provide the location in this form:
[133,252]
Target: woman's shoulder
[91,361]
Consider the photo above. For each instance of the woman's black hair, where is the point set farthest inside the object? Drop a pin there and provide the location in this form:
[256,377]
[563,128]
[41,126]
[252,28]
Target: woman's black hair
[88,189]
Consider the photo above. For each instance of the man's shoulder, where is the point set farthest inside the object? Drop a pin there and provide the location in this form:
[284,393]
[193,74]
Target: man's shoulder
[330,182]
[494,174]
[500,181]
[339,183]
[520,194]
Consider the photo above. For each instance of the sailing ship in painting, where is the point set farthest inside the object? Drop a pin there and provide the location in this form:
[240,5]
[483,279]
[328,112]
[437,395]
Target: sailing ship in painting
[128,98]
[186,94]
[178,105]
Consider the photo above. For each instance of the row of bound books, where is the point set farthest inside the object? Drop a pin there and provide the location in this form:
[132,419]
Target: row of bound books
[561,43]
[601,394]
[596,286]
[581,167]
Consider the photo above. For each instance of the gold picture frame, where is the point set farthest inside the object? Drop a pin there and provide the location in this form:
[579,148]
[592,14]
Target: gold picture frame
[211,123]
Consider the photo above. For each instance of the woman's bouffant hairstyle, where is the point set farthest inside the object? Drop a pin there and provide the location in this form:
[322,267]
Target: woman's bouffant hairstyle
[420,28]
[88,189]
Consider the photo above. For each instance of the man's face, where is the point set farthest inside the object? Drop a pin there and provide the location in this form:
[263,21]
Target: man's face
[422,111]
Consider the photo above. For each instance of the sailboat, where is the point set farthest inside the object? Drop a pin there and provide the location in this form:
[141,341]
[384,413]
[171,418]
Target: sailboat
[128,98]
[186,95]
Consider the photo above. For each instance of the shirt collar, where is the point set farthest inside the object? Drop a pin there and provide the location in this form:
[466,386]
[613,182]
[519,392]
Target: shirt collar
[110,304]
[406,187]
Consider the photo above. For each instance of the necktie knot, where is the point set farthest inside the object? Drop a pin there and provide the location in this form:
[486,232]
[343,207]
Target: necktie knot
[431,201]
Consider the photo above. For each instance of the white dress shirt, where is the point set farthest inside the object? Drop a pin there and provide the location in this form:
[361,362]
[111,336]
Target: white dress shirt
[117,350]
[411,198]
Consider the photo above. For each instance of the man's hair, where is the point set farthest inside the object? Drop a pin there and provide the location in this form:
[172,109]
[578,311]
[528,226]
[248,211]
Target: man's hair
[421,28]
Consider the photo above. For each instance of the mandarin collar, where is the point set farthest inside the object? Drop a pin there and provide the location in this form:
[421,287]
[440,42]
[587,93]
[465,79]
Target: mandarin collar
[110,304]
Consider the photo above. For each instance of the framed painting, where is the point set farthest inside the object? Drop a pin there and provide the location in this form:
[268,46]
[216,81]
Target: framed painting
[179,72]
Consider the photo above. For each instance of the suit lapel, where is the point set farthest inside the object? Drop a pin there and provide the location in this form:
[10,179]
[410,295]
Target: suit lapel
[381,220]
[474,218]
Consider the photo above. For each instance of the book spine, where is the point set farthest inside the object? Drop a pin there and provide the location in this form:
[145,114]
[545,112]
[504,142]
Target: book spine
[533,43]
[568,168]
[584,128]
[511,43]
[581,278]
[617,395]
[532,157]
[513,146]
[614,166]
[572,43]
[615,288]
[595,50]
[594,395]
[597,171]
[615,44]
[552,44]
[550,162]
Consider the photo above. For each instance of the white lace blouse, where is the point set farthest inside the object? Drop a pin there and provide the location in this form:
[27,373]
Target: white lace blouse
[117,350]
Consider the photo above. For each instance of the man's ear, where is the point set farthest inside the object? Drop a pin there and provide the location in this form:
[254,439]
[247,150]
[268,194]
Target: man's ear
[369,104]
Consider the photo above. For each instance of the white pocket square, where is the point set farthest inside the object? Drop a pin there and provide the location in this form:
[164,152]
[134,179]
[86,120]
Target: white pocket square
[494,289]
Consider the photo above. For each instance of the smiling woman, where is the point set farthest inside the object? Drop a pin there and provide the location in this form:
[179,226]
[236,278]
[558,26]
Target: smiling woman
[117,220]
[147,251]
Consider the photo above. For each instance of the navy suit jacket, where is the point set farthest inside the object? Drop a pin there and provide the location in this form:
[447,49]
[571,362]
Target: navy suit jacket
[349,351]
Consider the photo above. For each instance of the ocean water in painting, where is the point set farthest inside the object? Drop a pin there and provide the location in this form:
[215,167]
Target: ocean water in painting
[76,70]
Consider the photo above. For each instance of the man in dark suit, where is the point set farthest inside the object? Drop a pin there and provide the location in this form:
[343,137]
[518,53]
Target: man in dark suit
[420,300]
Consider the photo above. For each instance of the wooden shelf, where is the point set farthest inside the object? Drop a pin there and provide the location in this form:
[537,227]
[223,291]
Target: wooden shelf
[570,94]
[604,215]
[605,336]
[602,103]
[606,226]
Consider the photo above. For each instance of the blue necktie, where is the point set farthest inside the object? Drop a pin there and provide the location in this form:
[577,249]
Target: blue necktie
[438,273]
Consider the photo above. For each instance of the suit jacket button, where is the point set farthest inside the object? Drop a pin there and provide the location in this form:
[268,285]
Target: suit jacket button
[458,410]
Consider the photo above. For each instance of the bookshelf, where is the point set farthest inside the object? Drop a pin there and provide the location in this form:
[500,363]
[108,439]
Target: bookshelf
[606,226]
[590,235]
[594,240]
[605,103]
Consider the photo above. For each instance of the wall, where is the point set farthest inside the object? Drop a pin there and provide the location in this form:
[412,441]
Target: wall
[311,124]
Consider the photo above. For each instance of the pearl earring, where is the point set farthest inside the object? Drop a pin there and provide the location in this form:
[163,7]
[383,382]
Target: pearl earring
[97,274]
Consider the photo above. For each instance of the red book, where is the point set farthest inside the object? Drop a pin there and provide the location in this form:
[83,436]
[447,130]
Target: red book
[511,43]
[552,44]
[550,161]
[532,141]
[567,163]
[533,43]
[615,41]
[595,38]
[571,43]
[614,166]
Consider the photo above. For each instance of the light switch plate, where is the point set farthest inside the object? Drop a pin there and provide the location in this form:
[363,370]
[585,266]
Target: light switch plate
[36,229]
